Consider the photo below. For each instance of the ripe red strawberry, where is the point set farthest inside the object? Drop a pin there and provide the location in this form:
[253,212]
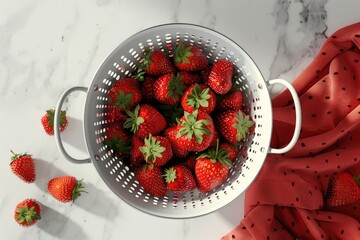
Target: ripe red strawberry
[220,77]
[136,156]
[151,179]
[343,189]
[145,120]
[234,125]
[27,212]
[232,150]
[189,58]
[117,139]
[147,89]
[125,93]
[198,96]
[179,179]
[231,101]
[216,138]
[65,188]
[157,150]
[23,166]
[205,73]
[170,133]
[156,63]
[114,114]
[189,78]
[168,89]
[211,169]
[195,131]
[190,162]
[47,121]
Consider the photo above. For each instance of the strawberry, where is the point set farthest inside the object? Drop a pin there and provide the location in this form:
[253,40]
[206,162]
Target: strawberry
[179,179]
[190,162]
[195,131]
[157,150]
[117,139]
[145,120]
[220,77]
[125,94]
[198,96]
[232,150]
[136,156]
[114,114]
[168,89]
[23,166]
[65,188]
[343,189]
[27,212]
[147,89]
[156,63]
[215,138]
[234,125]
[47,121]
[170,133]
[212,168]
[205,73]
[151,179]
[231,101]
[189,78]
[189,58]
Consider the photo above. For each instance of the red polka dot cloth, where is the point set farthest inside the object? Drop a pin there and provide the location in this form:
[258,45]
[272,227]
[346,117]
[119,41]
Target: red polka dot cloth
[288,198]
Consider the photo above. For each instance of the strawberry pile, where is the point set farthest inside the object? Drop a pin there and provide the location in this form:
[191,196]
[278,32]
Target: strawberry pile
[178,121]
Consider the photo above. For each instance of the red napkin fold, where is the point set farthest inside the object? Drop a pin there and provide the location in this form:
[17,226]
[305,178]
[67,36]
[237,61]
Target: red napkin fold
[286,200]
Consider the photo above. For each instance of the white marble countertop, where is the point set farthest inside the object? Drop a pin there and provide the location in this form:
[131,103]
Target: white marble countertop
[49,46]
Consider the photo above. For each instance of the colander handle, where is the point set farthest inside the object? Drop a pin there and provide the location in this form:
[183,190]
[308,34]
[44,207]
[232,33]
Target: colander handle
[57,125]
[296,100]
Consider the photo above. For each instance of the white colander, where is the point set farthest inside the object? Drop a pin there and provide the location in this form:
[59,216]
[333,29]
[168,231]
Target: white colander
[123,62]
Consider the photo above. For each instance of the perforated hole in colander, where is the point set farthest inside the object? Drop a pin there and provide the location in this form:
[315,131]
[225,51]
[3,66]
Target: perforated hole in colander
[122,63]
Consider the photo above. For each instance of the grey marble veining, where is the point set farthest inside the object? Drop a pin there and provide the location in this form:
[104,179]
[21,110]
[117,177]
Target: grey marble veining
[302,30]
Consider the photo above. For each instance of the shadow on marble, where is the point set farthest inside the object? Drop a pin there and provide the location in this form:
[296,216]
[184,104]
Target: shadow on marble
[59,225]
[74,135]
[233,212]
[44,172]
[96,202]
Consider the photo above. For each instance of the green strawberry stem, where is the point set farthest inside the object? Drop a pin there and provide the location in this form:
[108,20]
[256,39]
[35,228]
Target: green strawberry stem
[193,127]
[16,155]
[198,98]
[152,149]
[171,113]
[170,175]
[147,60]
[134,121]
[357,179]
[27,215]
[145,166]
[118,145]
[182,53]
[123,101]
[51,116]
[242,125]
[140,74]
[78,189]
[175,87]
[214,154]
